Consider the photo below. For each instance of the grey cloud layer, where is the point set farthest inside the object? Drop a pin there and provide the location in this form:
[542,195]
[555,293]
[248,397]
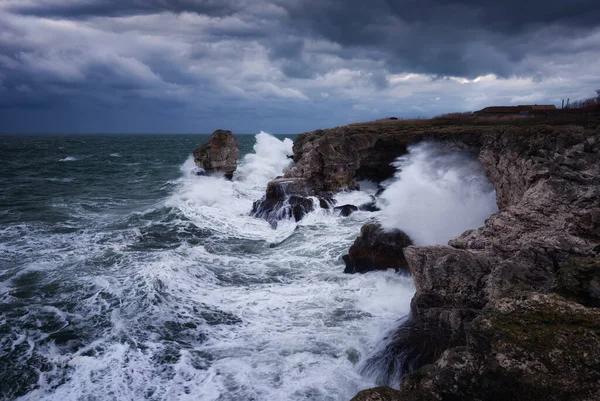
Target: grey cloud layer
[282,62]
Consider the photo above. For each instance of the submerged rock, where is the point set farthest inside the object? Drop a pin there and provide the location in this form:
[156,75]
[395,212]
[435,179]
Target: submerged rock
[376,249]
[198,171]
[345,210]
[369,206]
[219,154]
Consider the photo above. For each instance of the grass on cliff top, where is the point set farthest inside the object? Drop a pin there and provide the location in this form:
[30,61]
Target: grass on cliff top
[468,119]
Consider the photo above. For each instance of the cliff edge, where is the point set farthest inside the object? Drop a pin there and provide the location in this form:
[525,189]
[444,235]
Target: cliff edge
[509,310]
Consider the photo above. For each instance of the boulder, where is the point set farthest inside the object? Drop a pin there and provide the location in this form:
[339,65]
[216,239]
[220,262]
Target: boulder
[376,249]
[345,210]
[369,206]
[382,393]
[284,198]
[219,154]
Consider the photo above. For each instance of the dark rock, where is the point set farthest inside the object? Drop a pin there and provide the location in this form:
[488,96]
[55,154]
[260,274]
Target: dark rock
[275,210]
[219,154]
[326,200]
[198,171]
[376,249]
[393,118]
[383,393]
[529,346]
[400,352]
[284,198]
[280,188]
[579,279]
[333,160]
[324,204]
[369,207]
[300,206]
[345,210]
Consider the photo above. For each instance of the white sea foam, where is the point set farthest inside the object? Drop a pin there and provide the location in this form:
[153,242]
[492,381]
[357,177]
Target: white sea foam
[270,159]
[437,194]
[68,159]
[297,324]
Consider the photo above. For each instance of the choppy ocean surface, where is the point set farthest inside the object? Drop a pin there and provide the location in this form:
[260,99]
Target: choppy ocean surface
[124,277]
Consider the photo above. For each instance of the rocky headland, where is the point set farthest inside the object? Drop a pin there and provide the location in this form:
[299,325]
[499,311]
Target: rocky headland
[505,311]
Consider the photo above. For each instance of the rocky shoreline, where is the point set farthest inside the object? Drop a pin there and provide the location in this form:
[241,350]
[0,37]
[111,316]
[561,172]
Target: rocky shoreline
[506,311]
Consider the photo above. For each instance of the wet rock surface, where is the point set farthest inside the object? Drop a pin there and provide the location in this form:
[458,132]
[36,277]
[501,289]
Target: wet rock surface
[345,210]
[369,207]
[376,249]
[218,155]
[529,346]
[284,198]
[383,393]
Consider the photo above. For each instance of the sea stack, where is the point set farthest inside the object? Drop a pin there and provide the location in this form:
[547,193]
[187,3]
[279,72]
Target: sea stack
[219,154]
[376,249]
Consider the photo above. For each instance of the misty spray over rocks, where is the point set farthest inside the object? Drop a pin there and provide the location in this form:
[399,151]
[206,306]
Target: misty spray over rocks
[436,194]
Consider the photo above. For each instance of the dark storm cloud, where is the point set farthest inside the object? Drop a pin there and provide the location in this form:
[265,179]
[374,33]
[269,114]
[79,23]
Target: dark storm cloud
[115,8]
[461,37]
[456,37]
[287,60]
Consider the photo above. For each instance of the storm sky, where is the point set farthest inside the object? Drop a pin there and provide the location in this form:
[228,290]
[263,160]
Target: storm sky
[284,66]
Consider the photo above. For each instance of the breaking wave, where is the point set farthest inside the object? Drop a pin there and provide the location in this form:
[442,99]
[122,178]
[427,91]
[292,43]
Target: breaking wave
[437,194]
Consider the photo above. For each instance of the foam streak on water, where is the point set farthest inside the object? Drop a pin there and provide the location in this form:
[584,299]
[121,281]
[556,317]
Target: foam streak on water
[185,296]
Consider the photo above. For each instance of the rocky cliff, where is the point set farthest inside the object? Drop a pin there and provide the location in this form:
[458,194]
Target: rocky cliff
[500,296]
[507,311]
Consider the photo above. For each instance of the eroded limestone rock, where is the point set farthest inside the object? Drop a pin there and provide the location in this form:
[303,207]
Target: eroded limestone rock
[219,154]
[489,294]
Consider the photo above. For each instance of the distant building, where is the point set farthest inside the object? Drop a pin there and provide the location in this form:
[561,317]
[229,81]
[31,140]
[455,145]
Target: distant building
[521,109]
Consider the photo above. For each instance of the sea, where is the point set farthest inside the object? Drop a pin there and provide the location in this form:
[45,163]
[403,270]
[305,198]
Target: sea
[123,276]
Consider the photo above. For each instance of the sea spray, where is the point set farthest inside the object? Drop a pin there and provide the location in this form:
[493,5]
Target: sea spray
[162,286]
[437,194]
[270,158]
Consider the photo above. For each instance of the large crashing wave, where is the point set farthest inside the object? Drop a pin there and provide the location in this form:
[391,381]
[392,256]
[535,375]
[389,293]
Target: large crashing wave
[212,202]
[270,159]
[437,194]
